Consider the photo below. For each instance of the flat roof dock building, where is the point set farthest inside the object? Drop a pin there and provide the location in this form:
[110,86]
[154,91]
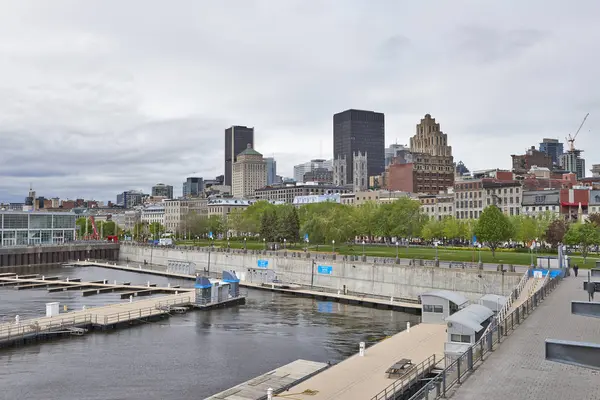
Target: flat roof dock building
[440,304]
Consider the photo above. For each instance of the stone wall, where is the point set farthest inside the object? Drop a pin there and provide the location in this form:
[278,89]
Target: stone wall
[388,279]
[42,255]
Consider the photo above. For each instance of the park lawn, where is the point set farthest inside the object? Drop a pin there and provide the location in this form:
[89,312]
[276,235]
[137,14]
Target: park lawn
[417,252]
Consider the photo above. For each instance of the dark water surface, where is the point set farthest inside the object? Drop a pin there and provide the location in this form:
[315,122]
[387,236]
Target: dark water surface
[190,356]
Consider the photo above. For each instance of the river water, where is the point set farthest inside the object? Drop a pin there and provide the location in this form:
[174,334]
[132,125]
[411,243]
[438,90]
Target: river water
[190,356]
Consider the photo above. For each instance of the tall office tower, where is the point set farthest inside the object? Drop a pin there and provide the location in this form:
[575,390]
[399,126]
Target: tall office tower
[162,190]
[553,148]
[359,131]
[249,173]
[573,162]
[271,170]
[193,187]
[237,139]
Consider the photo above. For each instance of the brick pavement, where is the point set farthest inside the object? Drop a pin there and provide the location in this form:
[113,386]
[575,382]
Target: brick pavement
[518,369]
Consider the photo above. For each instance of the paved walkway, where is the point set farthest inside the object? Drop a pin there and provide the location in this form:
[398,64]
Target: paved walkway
[518,369]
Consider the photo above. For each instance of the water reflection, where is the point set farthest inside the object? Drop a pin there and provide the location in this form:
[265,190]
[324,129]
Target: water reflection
[188,356]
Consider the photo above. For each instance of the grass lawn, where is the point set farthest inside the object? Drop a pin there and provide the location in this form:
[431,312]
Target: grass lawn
[425,253]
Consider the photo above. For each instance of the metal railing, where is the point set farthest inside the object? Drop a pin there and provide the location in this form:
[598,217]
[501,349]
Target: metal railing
[405,382]
[463,365]
[36,326]
[144,312]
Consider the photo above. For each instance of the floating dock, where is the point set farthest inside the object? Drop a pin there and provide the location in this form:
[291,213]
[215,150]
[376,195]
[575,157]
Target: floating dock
[278,380]
[365,301]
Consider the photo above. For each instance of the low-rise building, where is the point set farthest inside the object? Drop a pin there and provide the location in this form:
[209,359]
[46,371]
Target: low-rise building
[594,202]
[223,207]
[492,187]
[288,192]
[153,214]
[437,206]
[537,202]
[19,228]
[561,202]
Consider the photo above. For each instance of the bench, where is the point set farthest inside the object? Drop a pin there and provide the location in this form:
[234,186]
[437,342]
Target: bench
[400,368]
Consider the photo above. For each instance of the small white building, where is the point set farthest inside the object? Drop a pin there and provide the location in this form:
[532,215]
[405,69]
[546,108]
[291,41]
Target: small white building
[440,304]
[493,301]
[155,213]
[465,327]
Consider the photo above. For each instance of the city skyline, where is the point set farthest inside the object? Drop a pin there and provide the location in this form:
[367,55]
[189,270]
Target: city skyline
[95,106]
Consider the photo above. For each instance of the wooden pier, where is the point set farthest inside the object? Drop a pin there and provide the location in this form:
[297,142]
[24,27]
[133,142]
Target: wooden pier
[279,380]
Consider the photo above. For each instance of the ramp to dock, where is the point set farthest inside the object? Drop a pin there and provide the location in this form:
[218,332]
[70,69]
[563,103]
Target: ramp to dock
[278,379]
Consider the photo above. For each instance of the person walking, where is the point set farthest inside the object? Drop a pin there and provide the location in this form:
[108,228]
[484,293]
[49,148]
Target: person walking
[591,288]
[575,269]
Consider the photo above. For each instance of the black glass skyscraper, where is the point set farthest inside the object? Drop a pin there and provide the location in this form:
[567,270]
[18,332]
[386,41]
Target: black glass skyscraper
[237,139]
[364,131]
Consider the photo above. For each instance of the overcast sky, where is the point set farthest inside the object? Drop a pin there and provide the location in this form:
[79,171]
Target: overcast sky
[97,97]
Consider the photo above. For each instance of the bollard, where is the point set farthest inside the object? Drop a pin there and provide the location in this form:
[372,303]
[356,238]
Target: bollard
[176,292]
[361,349]
[65,308]
[16,276]
[115,281]
[140,267]
[269,394]
[83,308]
[408,327]
[148,283]
[338,292]
[67,279]
[131,298]
[17,320]
[43,277]
[392,299]
[168,285]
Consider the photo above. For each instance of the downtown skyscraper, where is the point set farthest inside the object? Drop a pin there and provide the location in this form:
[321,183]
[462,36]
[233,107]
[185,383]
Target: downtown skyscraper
[237,139]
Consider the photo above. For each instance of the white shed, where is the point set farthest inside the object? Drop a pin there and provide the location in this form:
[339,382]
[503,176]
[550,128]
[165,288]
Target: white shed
[493,301]
[440,304]
[467,325]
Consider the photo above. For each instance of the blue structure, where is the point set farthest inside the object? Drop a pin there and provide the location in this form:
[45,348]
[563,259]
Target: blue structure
[203,290]
[553,148]
[234,283]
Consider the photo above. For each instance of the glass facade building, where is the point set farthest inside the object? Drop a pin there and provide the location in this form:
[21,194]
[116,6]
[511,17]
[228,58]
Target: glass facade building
[30,228]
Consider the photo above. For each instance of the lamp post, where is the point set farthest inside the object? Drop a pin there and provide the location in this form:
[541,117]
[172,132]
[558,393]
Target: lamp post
[307,242]
[228,245]
[436,250]
[479,245]
[284,243]
[244,243]
[333,246]
[363,243]
[265,243]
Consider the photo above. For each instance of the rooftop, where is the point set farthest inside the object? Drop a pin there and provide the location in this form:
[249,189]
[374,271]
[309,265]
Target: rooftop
[454,297]
[249,151]
[471,316]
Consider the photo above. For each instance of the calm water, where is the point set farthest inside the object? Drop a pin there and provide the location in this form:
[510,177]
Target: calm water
[190,356]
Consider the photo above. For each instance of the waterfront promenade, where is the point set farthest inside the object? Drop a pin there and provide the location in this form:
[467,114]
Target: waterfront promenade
[360,378]
[518,369]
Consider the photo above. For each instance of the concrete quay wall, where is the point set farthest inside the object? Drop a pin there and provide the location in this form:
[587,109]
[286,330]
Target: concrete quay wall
[43,255]
[399,281]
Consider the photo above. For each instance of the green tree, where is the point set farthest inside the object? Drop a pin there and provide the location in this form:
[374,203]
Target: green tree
[236,222]
[594,219]
[583,235]
[525,228]
[252,221]
[433,229]
[451,228]
[555,233]
[194,225]
[493,228]
[288,223]
[216,225]
[156,230]
[268,225]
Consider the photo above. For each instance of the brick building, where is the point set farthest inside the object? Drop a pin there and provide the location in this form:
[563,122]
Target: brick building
[521,164]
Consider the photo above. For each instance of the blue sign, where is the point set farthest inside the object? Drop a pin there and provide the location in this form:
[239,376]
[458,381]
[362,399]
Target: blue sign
[324,269]
[474,240]
[325,307]
[210,235]
[262,263]
[306,237]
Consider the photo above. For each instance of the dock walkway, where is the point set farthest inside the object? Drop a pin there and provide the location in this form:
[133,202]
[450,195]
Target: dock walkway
[101,317]
[360,378]
[278,380]
[403,306]
[518,369]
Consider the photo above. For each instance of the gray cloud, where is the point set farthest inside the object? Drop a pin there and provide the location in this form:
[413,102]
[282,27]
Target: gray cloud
[102,96]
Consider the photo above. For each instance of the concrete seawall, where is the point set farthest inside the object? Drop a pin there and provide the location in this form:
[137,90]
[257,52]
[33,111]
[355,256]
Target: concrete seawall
[368,278]
[52,254]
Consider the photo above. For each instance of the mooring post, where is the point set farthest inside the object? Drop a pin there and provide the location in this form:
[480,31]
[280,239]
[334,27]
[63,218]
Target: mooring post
[131,298]
[408,327]
[269,394]
[361,349]
[17,320]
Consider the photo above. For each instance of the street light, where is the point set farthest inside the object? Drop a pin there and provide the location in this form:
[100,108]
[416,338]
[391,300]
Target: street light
[333,246]
[244,243]
[265,242]
[363,248]
[436,250]
[479,245]
[397,249]
[284,243]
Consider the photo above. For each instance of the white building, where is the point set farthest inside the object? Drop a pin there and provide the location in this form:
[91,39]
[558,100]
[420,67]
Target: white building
[35,228]
[175,212]
[301,169]
[249,173]
[152,214]
[339,171]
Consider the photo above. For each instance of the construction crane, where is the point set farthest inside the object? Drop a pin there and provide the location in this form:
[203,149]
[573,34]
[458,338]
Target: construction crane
[571,140]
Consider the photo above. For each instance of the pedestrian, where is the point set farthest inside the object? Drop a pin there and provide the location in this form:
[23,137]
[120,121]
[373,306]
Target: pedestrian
[591,288]
[575,269]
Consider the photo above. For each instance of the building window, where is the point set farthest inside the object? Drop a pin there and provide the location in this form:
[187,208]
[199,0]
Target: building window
[460,338]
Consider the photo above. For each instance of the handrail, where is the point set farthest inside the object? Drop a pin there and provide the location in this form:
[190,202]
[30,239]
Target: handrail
[406,381]
[452,374]
[139,313]
[41,325]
